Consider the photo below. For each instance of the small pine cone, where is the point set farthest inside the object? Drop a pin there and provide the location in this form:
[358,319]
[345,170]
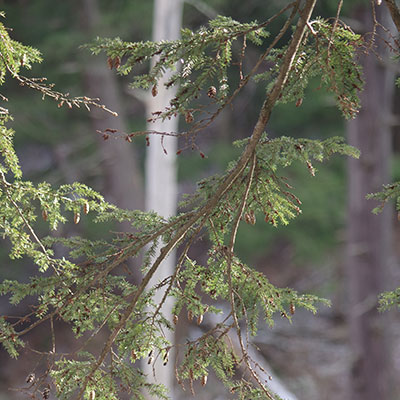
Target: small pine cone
[252,217]
[117,62]
[299,102]
[204,380]
[92,395]
[44,215]
[154,90]
[166,355]
[199,319]
[292,308]
[189,117]
[212,92]
[310,168]
[46,393]
[110,63]
[133,355]
[30,378]
[77,218]
[190,315]
[175,319]
[86,208]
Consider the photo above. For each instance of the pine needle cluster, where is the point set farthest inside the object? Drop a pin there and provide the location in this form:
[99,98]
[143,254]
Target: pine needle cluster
[88,291]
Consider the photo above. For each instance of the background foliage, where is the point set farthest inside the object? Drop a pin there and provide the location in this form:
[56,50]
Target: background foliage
[101,298]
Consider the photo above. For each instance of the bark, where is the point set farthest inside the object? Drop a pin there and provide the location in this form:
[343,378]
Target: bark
[160,172]
[368,244]
[122,178]
[394,12]
[121,174]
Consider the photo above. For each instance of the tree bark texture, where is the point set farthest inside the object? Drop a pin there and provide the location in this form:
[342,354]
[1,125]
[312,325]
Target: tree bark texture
[161,189]
[368,245]
[123,183]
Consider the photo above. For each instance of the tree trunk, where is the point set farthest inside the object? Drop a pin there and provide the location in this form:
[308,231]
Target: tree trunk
[123,185]
[121,174]
[368,245]
[160,183]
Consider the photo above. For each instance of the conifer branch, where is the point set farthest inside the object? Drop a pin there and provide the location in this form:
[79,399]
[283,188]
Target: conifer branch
[39,85]
[205,123]
[230,253]
[251,185]
[205,211]
[178,267]
[5,185]
[127,252]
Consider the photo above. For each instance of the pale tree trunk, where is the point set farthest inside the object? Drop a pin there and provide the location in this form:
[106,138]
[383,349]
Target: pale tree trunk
[368,246]
[121,172]
[160,176]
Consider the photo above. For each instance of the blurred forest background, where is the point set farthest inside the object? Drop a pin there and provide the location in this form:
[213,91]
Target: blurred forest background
[317,357]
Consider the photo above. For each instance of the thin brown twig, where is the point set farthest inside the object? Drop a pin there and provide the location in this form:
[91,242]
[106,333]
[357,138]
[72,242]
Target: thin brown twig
[125,316]
[51,261]
[334,26]
[53,337]
[208,121]
[47,89]
[241,58]
[5,185]
[264,116]
[179,265]
[229,274]
[205,122]
[375,24]
[129,251]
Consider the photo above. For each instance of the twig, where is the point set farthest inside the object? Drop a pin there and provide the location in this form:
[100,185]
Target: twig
[264,116]
[334,27]
[229,273]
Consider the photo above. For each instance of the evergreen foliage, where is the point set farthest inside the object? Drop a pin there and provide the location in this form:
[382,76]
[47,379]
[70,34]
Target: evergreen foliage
[203,56]
[333,61]
[86,291]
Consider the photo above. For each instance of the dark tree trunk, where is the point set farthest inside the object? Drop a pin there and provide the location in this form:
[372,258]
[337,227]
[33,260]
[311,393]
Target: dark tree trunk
[123,183]
[120,170]
[368,244]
